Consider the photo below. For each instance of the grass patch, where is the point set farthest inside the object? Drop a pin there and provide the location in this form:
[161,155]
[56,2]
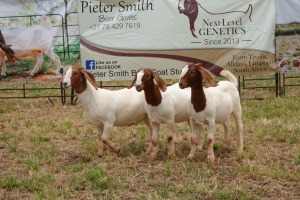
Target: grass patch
[50,152]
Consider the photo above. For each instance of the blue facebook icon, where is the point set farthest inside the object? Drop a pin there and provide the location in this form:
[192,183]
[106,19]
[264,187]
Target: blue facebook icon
[90,64]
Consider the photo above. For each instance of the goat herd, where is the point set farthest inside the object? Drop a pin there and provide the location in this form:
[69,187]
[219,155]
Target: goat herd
[155,103]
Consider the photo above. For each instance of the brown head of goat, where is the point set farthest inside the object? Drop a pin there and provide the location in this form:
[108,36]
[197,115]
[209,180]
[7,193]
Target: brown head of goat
[147,80]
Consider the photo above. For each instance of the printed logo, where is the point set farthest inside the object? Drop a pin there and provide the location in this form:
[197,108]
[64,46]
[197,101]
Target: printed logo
[90,65]
[190,8]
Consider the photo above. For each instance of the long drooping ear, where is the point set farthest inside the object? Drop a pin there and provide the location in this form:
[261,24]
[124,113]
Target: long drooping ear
[130,85]
[160,82]
[89,76]
[206,75]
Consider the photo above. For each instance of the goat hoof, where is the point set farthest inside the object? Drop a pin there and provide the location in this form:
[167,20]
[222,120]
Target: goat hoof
[149,150]
[240,151]
[172,156]
[191,156]
[211,160]
[153,155]
[200,147]
[117,150]
[101,152]
[32,75]
[227,143]
[100,155]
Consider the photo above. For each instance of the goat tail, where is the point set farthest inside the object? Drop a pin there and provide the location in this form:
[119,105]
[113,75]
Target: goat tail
[47,22]
[230,76]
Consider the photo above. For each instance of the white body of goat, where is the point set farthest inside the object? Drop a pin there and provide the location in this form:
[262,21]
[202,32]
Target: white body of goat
[31,41]
[105,108]
[173,107]
[163,105]
[219,103]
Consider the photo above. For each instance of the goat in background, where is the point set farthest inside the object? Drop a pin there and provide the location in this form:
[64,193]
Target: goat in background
[31,41]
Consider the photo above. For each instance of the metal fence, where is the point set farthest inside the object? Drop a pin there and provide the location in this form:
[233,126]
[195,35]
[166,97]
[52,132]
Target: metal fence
[24,93]
[29,20]
[67,46]
[72,36]
[285,81]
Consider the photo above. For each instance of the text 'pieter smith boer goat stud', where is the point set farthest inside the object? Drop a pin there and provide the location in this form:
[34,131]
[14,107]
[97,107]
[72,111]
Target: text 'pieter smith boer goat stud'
[211,105]
[105,108]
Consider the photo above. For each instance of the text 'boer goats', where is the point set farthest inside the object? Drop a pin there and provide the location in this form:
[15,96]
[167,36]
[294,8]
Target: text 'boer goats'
[105,108]
[31,41]
[211,105]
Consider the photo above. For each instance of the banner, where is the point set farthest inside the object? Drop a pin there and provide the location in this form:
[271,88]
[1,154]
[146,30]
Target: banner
[117,37]
[288,36]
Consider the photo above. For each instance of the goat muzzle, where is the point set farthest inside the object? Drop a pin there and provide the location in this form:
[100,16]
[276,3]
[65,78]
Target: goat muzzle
[138,88]
[181,85]
[65,84]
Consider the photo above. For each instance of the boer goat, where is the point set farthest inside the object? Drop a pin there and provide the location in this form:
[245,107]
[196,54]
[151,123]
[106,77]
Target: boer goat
[163,105]
[31,41]
[105,108]
[211,105]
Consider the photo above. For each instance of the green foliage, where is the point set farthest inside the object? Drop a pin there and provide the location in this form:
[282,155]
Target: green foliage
[38,182]
[9,182]
[6,137]
[288,29]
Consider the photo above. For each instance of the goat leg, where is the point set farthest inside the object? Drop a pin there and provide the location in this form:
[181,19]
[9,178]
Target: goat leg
[149,124]
[227,133]
[193,139]
[102,146]
[170,132]
[238,118]
[154,141]
[210,141]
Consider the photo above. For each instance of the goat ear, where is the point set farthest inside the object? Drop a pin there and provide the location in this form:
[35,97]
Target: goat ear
[130,85]
[206,75]
[89,76]
[160,82]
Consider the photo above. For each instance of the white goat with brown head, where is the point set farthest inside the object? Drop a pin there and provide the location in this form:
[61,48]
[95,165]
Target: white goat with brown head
[106,108]
[211,105]
[163,105]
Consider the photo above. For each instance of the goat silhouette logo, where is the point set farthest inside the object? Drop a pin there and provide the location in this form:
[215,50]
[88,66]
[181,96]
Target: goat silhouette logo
[190,8]
[90,65]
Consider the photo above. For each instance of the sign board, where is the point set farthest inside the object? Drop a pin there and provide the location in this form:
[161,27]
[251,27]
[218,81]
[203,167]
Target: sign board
[118,37]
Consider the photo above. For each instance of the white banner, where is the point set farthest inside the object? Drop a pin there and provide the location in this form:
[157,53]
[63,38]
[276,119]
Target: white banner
[118,37]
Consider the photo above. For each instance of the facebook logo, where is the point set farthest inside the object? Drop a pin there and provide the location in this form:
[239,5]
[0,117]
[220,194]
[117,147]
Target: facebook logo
[90,64]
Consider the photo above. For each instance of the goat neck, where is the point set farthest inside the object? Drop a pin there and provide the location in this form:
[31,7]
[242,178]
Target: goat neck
[198,98]
[152,94]
[79,84]
[87,95]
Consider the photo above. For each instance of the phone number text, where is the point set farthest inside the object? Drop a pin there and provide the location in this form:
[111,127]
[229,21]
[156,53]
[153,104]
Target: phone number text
[104,26]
